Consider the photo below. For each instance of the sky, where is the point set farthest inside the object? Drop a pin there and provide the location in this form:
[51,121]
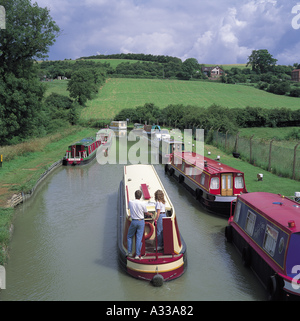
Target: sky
[213,31]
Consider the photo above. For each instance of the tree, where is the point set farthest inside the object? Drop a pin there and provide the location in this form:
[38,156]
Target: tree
[190,66]
[29,33]
[84,84]
[261,61]
[20,106]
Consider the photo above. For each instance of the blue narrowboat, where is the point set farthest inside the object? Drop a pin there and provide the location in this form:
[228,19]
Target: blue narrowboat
[265,228]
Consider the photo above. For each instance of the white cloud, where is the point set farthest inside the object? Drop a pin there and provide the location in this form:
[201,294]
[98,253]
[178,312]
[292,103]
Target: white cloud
[212,32]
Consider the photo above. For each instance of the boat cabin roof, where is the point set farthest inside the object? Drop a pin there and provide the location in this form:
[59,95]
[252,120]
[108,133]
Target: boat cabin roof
[211,166]
[144,178]
[275,207]
[85,141]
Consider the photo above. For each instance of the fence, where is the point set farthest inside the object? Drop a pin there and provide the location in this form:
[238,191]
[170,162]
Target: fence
[267,154]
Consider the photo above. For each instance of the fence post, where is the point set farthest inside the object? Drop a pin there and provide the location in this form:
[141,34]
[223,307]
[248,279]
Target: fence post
[217,136]
[251,149]
[237,142]
[294,163]
[226,140]
[270,151]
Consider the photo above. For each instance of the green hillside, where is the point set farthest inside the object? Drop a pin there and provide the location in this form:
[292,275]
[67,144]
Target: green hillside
[118,94]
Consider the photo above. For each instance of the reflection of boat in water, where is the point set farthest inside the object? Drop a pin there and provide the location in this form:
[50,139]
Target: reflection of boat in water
[84,151]
[265,228]
[154,265]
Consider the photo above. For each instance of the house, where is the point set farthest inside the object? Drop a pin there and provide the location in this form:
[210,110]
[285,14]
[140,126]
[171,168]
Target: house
[296,75]
[213,72]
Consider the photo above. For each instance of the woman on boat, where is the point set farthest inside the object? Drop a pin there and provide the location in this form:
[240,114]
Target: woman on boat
[161,213]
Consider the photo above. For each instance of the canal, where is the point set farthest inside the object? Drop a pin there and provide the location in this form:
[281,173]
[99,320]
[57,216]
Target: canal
[64,245]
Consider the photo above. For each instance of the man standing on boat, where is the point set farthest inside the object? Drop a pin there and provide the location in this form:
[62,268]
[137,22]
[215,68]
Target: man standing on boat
[137,226]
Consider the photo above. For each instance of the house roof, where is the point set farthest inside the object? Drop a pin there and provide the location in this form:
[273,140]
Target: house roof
[204,68]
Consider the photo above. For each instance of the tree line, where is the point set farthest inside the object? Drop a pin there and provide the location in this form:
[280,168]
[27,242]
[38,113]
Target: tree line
[214,116]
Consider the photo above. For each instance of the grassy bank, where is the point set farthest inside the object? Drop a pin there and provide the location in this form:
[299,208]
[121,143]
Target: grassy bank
[270,183]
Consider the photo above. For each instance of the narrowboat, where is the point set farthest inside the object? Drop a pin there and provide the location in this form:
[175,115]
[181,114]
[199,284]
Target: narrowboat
[118,125]
[214,184]
[154,265]
[265,228]
[167,148]
[84,151]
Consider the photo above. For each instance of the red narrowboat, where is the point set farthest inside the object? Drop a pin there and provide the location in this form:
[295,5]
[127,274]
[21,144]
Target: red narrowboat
[265,228]
[155,264]
[214,184]
[84,151]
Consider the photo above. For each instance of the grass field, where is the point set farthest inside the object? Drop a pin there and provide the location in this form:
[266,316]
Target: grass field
[118,94]
[56,86]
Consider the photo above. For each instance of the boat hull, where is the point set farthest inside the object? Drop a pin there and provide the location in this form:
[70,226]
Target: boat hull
[76,162]
[152,265]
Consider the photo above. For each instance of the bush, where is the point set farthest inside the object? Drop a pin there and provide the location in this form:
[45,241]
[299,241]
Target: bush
[295,92]
[279,88]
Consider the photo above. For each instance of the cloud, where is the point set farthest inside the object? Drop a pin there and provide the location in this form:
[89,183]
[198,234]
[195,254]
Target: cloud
[215,31]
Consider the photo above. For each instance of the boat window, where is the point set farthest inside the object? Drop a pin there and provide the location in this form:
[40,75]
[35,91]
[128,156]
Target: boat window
[239,182]
[237,211]
[182,166]
[250,222]
[202,181]
[189,171]
[215,183]
[270,240]
[196,173]
[177,161]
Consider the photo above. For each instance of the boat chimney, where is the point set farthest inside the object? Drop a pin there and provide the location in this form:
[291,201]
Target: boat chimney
[205,163]
[291,224]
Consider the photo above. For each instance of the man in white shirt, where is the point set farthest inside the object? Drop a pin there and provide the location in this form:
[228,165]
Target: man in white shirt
[137,226]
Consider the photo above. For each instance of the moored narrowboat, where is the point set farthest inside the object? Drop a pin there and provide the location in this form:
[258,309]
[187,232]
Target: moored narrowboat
[118,125]
[214,184]
[167,148]
[85,150]
[154,264]
[265,228]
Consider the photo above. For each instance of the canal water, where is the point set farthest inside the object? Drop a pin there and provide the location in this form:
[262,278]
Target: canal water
[64,245]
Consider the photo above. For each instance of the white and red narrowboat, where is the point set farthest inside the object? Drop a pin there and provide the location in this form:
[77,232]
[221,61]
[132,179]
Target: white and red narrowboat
[84,151]
[265,228]
[153,265]
[214,184]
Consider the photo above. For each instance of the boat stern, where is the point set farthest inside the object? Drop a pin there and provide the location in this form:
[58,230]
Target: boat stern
[156,269]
